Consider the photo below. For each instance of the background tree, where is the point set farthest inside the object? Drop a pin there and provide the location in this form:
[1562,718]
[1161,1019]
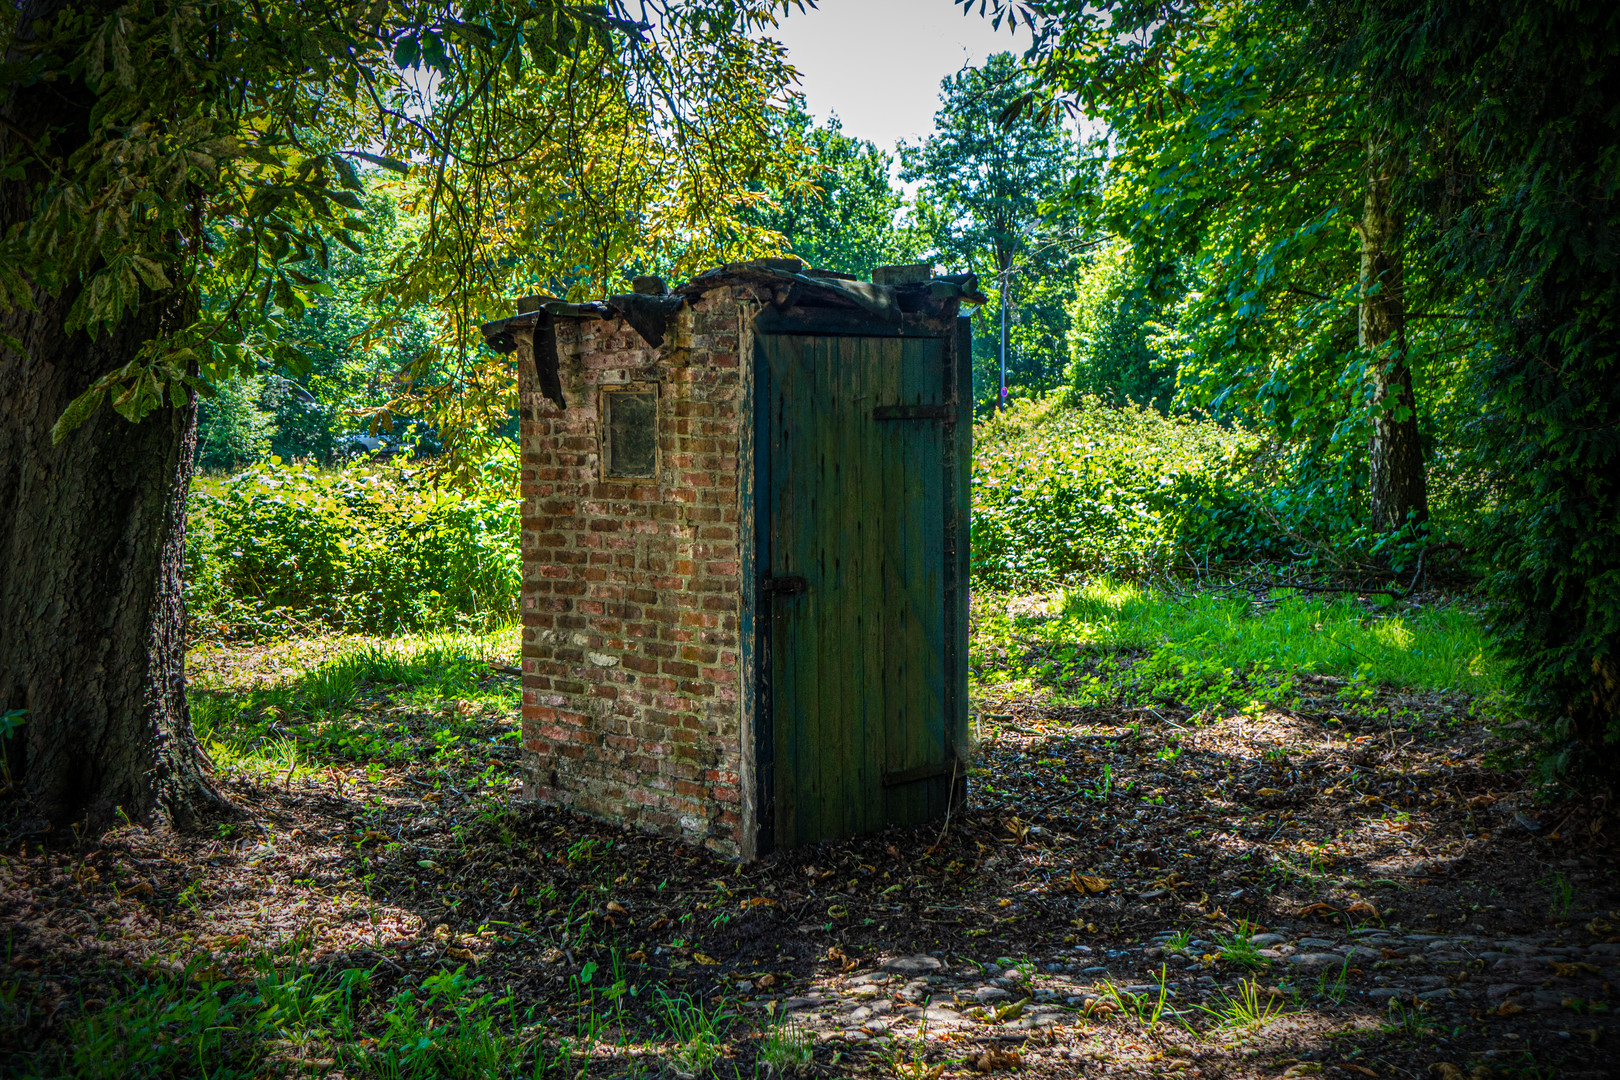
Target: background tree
[1239,140]
[987,201]
[1513,107]
[850,220]
[1116,323]
[350,366]
[1471,148]
[173,179]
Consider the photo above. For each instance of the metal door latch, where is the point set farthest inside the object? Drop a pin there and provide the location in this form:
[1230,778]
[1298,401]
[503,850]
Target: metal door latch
[782,586]
[914,412]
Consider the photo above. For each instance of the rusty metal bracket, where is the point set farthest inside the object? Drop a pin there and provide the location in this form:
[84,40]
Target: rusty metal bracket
[915,412]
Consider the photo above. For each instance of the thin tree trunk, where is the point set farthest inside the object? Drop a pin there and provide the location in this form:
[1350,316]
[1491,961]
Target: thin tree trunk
[1395,453]
[91,545]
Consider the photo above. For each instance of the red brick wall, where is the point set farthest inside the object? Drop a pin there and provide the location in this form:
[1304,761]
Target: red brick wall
[633,696]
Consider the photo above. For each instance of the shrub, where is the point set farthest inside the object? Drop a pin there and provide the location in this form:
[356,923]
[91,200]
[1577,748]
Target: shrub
[1061,489]
[374,548]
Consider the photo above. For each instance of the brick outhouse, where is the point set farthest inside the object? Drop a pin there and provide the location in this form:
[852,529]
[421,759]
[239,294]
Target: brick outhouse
[745,551]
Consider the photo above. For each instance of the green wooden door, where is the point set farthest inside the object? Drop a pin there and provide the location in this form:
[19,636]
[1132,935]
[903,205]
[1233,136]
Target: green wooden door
[853,493]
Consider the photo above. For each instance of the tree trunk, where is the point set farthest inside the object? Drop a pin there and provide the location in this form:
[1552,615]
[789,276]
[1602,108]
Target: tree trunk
[91,544]
[1395,453]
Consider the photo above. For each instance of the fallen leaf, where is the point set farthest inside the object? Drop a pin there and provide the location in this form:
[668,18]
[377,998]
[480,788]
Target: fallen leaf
[1362,907]
[1317,909]
[1362,1069]
[1268,792]
[1592,1034]
[765,982]
[1507,1008]
[759,901]
[659,923]
[1303,1068]
[371,835]
[466,956]
[1011,1012]
[616,907]
[1088,883]
[1570,971]
[993,1059]
[706,961]
[639,956]
[1445,1070]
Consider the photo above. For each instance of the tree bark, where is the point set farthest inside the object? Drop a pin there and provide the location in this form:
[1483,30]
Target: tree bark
[91,542]
[1397,488]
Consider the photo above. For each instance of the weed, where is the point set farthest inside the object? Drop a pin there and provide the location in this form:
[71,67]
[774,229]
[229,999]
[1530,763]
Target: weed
[697,1030]
[789,1049]
[1336,988]
[1179,940]
[910,1061]
[1563,893]
[1250,1007]
[1239,950]
[1404,1019]
[1138,1006]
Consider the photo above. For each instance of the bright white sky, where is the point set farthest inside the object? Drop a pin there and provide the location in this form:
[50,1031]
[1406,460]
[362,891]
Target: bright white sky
[878,63]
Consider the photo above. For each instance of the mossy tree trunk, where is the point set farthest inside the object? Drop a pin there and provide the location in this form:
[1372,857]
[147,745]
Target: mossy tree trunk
[1396,484]
[91,541]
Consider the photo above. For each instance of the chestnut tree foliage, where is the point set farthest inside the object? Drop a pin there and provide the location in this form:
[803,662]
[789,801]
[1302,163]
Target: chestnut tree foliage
[175,178]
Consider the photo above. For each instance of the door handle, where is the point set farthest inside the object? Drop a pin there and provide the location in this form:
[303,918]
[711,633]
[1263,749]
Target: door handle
[783,586]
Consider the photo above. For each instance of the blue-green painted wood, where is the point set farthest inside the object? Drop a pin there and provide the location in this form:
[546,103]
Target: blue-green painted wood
[860,695]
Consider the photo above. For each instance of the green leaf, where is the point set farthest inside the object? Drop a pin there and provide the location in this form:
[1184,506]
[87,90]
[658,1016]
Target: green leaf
[407,52]
[77,412]
[433,54]
[391,164]
[151,273]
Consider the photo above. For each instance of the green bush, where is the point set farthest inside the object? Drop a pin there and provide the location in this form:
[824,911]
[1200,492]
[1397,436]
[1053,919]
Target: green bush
[296,548]
[1061,490]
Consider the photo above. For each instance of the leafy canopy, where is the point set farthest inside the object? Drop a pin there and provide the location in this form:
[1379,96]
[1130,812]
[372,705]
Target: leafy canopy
[215,151]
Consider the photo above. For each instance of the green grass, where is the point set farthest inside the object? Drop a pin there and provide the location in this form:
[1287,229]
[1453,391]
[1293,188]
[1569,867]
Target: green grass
[1206,649]
[291,1019]
[314,708]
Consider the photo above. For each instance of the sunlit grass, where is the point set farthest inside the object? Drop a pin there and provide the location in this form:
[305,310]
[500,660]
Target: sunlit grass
[265,709]
[1439,647]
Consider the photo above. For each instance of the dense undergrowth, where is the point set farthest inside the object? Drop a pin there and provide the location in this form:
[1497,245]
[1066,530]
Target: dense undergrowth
[293,548]
[1060,491]
[1065,488]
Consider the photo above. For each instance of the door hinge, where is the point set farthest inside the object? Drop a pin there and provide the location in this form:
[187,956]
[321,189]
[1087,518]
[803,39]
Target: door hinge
[914,412]
[782,586]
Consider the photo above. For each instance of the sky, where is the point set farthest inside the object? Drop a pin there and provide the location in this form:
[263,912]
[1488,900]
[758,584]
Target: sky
[878,63]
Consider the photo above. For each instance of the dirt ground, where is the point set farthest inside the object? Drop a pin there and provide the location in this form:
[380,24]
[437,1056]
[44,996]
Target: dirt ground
[1323,889]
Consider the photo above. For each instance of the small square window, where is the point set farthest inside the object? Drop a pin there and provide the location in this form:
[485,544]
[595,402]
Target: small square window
[630,427]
